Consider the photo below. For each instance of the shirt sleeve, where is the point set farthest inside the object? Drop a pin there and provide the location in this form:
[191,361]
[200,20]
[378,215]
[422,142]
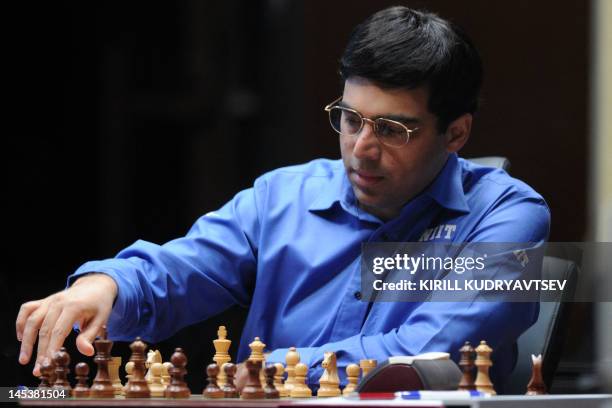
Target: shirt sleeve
[162,288]
[439,326]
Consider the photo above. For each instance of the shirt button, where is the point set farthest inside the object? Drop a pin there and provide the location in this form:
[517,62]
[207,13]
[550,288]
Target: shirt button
[357,295]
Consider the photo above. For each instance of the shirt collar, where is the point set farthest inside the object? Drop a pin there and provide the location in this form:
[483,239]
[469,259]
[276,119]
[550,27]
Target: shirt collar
[338,190]
[446,189]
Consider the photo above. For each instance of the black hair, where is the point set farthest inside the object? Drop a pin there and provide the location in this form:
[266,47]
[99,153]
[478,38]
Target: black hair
[403,48]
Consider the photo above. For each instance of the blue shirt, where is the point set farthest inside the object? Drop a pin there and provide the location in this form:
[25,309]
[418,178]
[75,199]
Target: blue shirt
[289,249]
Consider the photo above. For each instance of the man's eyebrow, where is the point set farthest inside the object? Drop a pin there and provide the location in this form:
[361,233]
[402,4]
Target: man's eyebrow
[405,119]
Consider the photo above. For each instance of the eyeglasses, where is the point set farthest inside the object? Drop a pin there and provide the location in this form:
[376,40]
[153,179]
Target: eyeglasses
[347,121]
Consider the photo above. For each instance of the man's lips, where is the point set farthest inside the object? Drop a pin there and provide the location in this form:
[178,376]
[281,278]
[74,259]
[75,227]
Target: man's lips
[365,178]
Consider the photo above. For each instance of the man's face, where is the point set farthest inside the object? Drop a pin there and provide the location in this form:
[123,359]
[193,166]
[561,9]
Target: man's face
[385,178]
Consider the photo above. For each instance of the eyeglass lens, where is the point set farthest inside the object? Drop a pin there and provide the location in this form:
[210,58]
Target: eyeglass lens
[348,122]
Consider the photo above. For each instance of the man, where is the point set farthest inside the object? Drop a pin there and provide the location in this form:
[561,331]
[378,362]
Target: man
[289,248]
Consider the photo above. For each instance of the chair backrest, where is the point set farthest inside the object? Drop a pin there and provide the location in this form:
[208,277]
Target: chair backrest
[547,335]
[492,161]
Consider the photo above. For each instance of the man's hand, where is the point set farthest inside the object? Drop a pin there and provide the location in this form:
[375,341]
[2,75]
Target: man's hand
[88,301]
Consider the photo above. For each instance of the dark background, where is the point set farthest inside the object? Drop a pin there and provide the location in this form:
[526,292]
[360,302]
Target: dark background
[131,120]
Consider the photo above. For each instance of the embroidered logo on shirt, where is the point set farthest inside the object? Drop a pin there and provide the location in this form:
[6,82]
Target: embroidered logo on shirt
[442,231]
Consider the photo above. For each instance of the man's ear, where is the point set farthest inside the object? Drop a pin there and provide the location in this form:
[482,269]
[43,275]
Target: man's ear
[458,132]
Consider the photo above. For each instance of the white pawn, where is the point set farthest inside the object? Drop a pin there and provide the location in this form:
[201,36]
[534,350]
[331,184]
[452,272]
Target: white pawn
[352,374]
[166,373]
[155,386]
[292,358]
[300,389]
[129,367]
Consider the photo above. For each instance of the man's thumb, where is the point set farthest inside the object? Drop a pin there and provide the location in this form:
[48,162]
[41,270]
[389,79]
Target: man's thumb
[85,339]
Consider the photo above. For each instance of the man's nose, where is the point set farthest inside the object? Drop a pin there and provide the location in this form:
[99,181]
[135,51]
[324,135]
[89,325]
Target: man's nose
[367,145]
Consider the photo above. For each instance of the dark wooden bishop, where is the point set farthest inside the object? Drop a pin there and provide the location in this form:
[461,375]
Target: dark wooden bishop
[137,386]
[229,389]
[270,390]
[212,389]
[81,390]
[467,367]
[177,387]
[102,386]
[253,389]
[61,360]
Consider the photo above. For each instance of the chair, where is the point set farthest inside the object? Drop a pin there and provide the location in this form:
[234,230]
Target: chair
[547,335]
[492,161]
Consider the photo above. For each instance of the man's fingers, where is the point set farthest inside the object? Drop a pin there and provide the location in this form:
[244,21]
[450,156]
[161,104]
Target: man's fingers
[88,335]
[44,335]
[60,331]
[30,332]
[24,312]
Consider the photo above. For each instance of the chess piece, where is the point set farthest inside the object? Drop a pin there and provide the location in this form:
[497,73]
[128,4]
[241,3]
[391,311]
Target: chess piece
[129,369]
[467,365]
[352,374]
[229,388]
[329,381]
[536,384]
[278,380]
[253,389]
[155,386]
[178,387]
[300,389]
[81,390]
[102,386]
[46,370]
[137,386]
[153,356]
[166,373]
[61,361]
[366,366]
[292,358]
[212,389]
[222,345]
[483,363]
[257,347]
[113,372]
[270,391]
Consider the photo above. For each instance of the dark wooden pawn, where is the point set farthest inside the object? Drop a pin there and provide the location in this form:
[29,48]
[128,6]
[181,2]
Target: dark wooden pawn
[270,390]
[137,386]
[229,389]
[212,389]
[467,367]
[102,386]
[61,360]
[81,390]
[253,389]
[177,387]
[46,370]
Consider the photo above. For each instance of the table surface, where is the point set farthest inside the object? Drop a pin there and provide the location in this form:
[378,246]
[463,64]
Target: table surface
[503,401]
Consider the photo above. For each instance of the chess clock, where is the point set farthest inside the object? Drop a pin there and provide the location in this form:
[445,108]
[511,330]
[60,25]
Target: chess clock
[431,371]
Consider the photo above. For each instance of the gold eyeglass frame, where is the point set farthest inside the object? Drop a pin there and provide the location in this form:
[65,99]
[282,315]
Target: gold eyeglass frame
[328,108]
